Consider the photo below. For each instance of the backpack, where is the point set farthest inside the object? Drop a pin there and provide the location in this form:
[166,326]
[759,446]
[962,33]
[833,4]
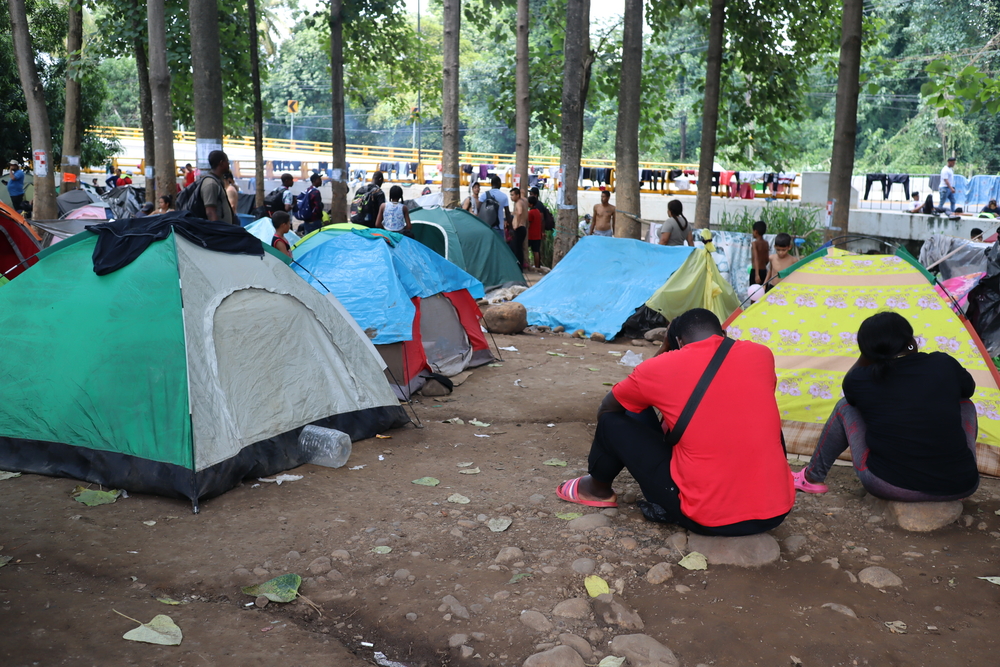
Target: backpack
[189,199]
[364,200]
[274,201]
[306,207]
[489,211]
[548,220]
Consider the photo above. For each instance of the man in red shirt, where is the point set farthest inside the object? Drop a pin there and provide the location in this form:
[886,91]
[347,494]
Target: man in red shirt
[728,474]
[535,231]
[188,174]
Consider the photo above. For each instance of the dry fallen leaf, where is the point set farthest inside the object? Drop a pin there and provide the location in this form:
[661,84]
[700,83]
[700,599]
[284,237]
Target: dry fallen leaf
[596,586]
[694,561]
[161,630]
[458,498]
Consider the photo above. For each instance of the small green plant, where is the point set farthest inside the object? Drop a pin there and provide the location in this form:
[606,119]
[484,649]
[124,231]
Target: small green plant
[798,221]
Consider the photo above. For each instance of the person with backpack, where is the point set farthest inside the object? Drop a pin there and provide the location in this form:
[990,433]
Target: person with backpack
[281,198]
[494,203]
[309,206]
[212,190]
[368,199]
[535,223]
[548,220]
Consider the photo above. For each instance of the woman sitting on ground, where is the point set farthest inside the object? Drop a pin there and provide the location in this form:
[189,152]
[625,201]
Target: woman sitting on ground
[907,418]
[166,204]
[393,216]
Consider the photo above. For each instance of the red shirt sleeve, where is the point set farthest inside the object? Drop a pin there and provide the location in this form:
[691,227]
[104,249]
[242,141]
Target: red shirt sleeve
[629,392]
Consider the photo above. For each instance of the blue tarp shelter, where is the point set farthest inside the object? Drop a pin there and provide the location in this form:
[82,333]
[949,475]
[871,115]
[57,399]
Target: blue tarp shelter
[979,191]
[264,230]
[600,283]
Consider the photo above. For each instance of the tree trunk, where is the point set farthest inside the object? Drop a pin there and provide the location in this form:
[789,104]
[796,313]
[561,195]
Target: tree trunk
[206,74]
[522,101]
[845,126]
[44,203]
[71,122]
[145,113]
[449,105]
[710,113]
[627,135]
[684,137]
[576,51]
[258,110]
[338,207]
[165,176]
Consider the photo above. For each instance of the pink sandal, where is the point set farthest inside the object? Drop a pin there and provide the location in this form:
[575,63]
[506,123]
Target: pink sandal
[803,484]
[569,491]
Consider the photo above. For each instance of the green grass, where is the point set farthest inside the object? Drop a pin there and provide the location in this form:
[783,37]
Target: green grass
[798,221]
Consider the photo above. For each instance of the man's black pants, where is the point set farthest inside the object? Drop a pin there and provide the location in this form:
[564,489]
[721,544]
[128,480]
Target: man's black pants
[635,441]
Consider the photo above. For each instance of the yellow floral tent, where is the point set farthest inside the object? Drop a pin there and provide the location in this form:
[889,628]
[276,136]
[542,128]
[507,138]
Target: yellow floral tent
[810,321]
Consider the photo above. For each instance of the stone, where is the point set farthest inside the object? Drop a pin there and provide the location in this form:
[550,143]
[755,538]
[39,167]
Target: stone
[748,551]
[656,335]
[536,499]
[598,337]
[678,541]
[260,572]
[577,608]
[506,318]
[578,644]
[535,621]
[334,574]
[840,609]
[682,589]
[411,617]
[660,573]
[467,651]
[382,581]
[794,543]
[629,543]
[559,329]
[560,656]
[508,555]
[261,601]
[319,566]
[589,522]
[340,555]
[879,577]
[584,565]
[924,517]
[457,640]
[643,651]
[293,555]
[241,572]
[455,607]
[401,575]
[434,388]
[479,636]
[832,562]
[611,610]
[579,333]
[500,596]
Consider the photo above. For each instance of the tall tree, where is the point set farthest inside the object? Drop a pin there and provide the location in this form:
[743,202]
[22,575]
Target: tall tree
[710,112]
[258,110]
[145,105]
[449,104]
[846,117]
[72,123]
[165,175]
[41,138]
[627,132]
[522,104]
[576,51]
[338,207]
[206,70]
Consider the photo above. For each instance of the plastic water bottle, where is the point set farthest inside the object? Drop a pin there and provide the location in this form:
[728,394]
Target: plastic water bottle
[325,446]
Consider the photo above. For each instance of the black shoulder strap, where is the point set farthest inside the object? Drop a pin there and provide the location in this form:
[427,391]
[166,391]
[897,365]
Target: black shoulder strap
[673,436]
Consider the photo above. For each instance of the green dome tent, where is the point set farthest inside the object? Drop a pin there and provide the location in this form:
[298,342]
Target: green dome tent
[465,241]
[171,374]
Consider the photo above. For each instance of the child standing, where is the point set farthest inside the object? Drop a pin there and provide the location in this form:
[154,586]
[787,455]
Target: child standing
[535,231]
[758,254]
[780,260]
[282,225]
[393,216]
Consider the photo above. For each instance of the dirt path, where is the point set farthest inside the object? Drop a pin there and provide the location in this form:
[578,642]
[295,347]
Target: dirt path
[79,563]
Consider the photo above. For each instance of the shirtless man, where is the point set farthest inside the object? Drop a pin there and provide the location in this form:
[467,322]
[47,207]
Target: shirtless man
[604,217]
[758,254]
[780,260]
[519,226]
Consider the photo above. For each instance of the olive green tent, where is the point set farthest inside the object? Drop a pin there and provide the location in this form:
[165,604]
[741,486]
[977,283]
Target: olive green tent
[465,241]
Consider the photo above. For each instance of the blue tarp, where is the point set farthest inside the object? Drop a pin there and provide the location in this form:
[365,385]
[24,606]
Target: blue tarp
[600,283]
[979,192]
[375,282]
[264,230]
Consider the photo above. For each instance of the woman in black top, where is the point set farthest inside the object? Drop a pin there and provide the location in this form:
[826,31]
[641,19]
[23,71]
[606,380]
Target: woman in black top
[907,418]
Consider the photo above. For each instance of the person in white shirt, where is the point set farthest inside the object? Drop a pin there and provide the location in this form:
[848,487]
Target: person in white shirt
[503,212]
[947,187]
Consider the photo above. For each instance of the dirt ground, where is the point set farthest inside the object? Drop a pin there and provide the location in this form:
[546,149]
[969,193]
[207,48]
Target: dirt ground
[75,565]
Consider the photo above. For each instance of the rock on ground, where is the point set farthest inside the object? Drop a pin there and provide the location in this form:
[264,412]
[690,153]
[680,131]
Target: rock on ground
[748,551]
[454,606]
[611,610]
[535,621]
[457,640]
[879,577]
[923,517]
[659,573]
[643,651]
[584,565]
[560,656]
[656,335]
[320,565]
[794,543]
[598,337]
[840,609]
[578,644]
[573,608]
[589,522]
[509,555]
[506,318]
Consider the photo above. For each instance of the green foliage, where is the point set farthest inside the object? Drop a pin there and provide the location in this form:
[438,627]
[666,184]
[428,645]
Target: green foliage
[798,221]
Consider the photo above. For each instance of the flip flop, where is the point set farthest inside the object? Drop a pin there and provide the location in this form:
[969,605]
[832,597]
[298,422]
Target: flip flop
[568,491]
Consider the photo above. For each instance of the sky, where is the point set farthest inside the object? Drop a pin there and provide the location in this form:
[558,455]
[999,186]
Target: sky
[599,9]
